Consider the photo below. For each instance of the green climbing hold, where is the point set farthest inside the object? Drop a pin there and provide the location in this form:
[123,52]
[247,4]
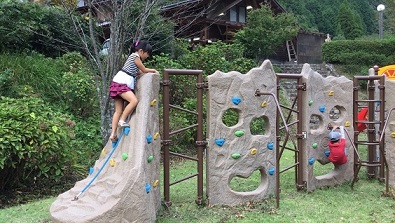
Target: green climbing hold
[150,158]
[239,133]
[124,156]
[310,102]
[236,155]
[315,145]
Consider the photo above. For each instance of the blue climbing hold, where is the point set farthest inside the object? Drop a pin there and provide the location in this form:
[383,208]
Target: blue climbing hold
[270,146]
[147,188]
[126,130]
[322,108]
[236,100]
[220,142]
[114,144]
[149,139]
[91,170]
[271,171]
[311,161]
[327,153]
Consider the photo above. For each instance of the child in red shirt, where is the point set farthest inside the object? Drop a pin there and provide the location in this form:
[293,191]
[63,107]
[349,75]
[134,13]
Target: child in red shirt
[337,145]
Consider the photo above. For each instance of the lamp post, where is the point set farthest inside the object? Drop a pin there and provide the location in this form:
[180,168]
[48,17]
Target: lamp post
[380,9]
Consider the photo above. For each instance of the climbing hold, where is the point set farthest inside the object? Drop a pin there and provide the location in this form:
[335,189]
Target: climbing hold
[91,170]
[156,183]
[149,139]
[347,124]
[393,134]
[114,144]
[156,135]
[331,93]
[112,162]
[270,146]
[236,156]
[271,171]
[124,156]
[311,161]
[103,151]
[220,142]
[239,133]
[314,145]
[153,103]
[253,151]
[264,104]
[327,153]
[150,158]
[322,109]
[126,130]
[147,188]
[310,102]
[236,100]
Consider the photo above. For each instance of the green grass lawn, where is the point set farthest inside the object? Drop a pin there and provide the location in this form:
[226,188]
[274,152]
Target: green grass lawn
[338,204]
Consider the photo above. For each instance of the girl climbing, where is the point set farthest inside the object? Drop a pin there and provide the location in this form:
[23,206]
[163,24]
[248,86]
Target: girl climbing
[337,145]
[124,82]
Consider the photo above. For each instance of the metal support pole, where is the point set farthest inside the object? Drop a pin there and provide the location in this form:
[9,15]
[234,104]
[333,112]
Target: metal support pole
[166,138]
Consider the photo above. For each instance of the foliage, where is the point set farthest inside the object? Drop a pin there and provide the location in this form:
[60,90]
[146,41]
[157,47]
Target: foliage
[349,22]
[321,15]
[78,86]
[264,32]
[30,26]
[360,52]
[34,142]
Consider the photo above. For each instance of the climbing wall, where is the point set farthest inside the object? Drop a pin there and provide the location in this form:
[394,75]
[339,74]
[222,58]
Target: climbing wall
[233,151]
[123,185]
[328,100]
[390,132]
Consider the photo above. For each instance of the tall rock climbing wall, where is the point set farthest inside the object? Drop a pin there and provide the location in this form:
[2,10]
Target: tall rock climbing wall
[123,186]
[234,149]
[327,100]
[390,131]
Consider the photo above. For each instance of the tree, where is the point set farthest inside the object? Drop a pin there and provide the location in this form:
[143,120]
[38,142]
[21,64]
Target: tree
[130,20]
[264,31]
[349,22]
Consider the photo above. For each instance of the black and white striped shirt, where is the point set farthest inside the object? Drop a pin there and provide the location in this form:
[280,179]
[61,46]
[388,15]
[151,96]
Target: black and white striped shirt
[130,67]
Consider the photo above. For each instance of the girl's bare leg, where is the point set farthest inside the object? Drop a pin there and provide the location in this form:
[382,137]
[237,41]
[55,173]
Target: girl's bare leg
[130,97]
[118,104]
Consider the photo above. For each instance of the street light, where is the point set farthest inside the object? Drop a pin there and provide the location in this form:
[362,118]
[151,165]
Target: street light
[380,9]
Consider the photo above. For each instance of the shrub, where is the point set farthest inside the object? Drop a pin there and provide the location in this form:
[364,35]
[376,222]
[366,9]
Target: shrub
[34,142]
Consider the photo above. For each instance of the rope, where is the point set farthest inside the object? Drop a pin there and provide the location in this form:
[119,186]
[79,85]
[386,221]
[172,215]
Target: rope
[101,168]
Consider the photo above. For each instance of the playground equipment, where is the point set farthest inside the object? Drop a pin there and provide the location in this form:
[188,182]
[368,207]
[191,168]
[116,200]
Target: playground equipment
[123,185]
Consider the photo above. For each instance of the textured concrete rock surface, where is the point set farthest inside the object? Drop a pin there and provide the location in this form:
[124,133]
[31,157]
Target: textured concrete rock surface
[325,94]
[390,131]
[232,150]
[125,190]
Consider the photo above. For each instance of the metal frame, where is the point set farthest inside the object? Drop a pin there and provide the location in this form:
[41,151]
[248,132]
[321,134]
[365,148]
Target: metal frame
[372,141]
[200,144]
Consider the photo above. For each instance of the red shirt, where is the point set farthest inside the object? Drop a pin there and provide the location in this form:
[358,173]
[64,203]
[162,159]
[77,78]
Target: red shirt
[337,155]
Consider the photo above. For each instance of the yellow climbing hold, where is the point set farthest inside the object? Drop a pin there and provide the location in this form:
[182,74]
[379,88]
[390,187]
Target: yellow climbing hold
[156,135]
[347,124]
[264,104]
[112,162]
[253,151]
[103,151]
[331,93]
[153,102]
[393,134]
[156,183]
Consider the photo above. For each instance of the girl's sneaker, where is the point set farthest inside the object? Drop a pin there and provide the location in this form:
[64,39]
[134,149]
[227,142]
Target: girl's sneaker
[123,124]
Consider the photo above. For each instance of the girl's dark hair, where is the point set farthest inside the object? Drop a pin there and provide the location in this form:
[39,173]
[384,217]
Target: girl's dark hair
[141,45]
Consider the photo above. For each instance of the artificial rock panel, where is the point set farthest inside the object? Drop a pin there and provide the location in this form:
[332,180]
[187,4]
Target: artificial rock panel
[321,96]
[126,189]
[232,150]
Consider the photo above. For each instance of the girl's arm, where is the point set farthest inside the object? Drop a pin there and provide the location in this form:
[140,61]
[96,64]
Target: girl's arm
[142,68]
